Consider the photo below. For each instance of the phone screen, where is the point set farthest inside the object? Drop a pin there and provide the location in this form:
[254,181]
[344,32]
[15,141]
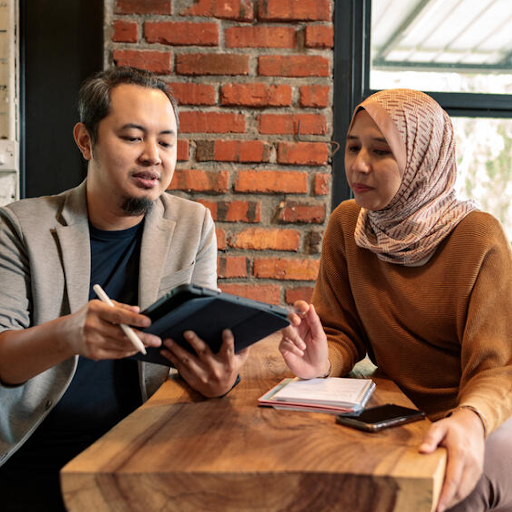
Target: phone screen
[380,417]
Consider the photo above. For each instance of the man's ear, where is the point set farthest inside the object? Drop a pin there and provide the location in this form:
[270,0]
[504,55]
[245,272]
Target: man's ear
[83,140]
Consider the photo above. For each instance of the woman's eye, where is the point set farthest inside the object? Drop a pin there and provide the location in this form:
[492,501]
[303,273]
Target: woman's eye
[382,152]
[353,149]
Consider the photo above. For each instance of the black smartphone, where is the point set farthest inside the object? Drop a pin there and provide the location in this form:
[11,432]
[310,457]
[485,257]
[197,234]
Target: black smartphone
[377,418]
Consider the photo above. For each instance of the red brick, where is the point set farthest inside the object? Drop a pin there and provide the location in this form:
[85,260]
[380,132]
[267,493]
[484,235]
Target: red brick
[233,151]
[314,95]
[143,7]
[319,36]
[211,122]
[195,180]
[321,184]
[292,211]
[313,242]
[158,62]
[260,37]
[234,211]
[266,239]
[239,10]
[125,31]
[287,124]
[295,10]
[221,239]
[302,153]
[232,266]
[269,293]
[256,95]
[181,33]
[212,64]
[293,65]
[183,150]
[299,293]
[187,93]
[212,206]
[286,269]
[290,182]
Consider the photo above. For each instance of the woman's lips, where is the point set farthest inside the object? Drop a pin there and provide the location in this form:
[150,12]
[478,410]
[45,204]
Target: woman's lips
[360,187]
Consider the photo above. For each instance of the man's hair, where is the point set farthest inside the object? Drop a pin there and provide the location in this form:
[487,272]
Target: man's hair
[95,91]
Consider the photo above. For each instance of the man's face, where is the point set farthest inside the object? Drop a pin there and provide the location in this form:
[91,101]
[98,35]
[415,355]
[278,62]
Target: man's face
[135,153]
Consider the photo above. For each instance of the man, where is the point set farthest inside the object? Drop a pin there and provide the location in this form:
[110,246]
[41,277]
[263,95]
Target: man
[64,376]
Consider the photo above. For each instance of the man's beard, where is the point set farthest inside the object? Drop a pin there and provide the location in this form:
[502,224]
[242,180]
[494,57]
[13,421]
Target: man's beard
[135,206]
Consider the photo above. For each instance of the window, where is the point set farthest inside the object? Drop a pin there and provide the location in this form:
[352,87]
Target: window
[442,45]
[460,52]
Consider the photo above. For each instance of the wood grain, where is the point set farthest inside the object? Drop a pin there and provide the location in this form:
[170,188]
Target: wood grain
[180,452]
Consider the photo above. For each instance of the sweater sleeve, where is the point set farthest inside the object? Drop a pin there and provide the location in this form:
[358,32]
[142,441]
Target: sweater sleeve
[486,345]
[333,299]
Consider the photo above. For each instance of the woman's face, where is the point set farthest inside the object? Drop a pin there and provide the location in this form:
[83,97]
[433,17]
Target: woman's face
[371,169]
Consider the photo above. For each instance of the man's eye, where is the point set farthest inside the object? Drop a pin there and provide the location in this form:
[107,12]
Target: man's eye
[165,144]
[130,139]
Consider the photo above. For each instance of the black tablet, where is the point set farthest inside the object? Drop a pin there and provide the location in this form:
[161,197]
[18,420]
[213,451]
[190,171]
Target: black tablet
[208,312]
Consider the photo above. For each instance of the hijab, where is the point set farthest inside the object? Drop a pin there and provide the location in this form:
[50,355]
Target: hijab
[425,209]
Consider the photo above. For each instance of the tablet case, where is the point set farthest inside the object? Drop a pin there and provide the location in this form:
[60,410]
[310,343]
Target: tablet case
[208,312]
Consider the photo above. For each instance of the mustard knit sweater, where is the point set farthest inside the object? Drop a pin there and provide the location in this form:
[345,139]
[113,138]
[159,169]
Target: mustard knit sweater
[442,331]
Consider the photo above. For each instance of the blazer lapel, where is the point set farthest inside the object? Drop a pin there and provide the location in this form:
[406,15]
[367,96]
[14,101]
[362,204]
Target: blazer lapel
[73,235]
[156,243]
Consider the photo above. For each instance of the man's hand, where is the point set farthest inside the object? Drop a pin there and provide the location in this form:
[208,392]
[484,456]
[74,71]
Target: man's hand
[211,374]
[304,343]
[462,434]
[94,331]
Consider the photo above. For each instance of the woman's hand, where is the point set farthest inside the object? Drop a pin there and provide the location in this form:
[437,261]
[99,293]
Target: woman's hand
[462,434]
[304,343]
[211,374]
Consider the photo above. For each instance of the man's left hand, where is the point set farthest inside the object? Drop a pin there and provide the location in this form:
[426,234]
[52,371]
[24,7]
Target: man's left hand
[211,374]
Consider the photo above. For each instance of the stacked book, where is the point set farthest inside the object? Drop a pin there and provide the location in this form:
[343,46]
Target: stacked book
[334,395]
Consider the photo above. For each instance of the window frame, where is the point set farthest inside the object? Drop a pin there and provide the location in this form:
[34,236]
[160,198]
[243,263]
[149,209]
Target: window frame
[352,51]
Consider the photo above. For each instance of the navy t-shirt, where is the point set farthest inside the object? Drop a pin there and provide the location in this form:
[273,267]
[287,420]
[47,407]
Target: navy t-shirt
[99,396]
[102,392]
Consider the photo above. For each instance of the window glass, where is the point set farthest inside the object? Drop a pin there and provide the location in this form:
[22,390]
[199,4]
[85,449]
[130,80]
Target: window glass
[484,159]
[442,45]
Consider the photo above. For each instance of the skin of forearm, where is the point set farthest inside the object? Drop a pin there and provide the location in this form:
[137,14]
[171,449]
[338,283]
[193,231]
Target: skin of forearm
[29,352]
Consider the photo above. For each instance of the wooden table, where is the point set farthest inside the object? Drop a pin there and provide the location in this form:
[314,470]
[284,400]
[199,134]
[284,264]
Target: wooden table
[180,452]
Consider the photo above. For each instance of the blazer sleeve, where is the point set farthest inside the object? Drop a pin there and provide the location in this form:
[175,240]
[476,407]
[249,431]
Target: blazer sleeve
[205,268]
[15,297]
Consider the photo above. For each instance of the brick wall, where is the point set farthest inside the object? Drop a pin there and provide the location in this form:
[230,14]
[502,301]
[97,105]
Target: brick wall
[254,84]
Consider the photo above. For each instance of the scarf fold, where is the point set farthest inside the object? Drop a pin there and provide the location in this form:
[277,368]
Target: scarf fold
[425,208]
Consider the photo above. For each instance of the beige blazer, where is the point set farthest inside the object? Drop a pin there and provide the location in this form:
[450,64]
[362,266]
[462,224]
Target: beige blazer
[45,269]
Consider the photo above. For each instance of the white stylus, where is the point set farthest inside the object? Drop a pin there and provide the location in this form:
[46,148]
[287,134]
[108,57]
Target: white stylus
[137,343]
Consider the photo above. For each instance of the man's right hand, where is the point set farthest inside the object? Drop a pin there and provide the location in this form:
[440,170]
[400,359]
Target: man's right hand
[304,343]
[94,331]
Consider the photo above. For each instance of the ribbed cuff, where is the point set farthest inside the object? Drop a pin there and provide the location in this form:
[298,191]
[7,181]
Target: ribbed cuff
[476,411]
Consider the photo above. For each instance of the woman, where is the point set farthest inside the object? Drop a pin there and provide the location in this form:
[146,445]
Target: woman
[422,282]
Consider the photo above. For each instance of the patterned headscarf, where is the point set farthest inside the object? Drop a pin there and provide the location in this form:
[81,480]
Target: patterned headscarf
[425,208]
